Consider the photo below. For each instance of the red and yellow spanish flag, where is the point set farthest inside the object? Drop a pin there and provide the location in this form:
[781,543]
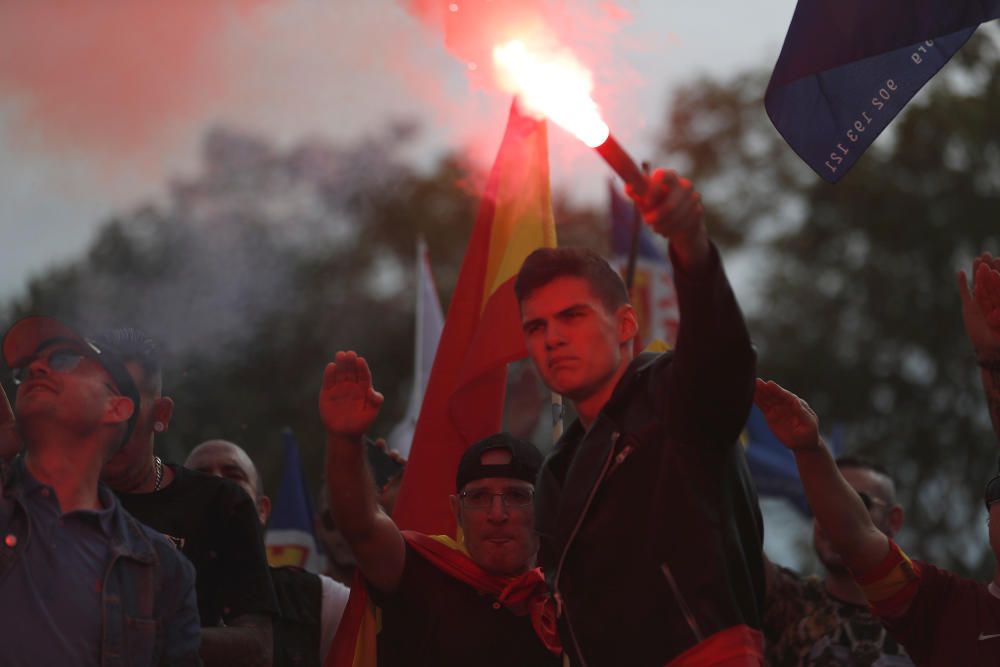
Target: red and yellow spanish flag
[482,333]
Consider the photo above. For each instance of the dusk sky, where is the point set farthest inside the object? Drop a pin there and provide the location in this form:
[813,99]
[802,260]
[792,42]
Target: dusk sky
[101,105]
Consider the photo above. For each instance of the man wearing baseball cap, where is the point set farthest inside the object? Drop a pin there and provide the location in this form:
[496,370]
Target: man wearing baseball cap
[89,582]
[479,600]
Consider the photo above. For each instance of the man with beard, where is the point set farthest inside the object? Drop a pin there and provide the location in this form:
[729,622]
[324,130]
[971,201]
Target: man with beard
[210,520]
[82,582]
[813,621]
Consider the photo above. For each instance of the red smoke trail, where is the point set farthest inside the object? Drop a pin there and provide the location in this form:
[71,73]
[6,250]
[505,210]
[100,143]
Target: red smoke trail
[109,76]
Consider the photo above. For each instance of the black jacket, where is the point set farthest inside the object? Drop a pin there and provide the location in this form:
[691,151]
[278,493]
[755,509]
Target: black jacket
[651,536]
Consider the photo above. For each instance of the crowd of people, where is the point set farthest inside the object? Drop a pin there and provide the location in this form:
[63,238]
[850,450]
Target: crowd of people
[638,541]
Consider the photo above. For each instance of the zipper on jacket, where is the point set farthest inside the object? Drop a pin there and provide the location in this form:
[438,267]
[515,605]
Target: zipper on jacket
[576,529]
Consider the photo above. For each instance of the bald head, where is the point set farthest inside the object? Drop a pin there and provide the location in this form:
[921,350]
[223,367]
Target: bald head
[222,458]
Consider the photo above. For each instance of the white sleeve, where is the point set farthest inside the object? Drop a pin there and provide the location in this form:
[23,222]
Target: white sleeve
[332,605]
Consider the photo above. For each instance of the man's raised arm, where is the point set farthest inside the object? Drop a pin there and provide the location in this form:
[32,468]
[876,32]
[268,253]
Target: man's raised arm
[837,507]
[981,315]
[348,405]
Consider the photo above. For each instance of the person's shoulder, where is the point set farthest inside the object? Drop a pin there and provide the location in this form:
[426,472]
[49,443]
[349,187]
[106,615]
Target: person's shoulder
[210,488]
[941,579]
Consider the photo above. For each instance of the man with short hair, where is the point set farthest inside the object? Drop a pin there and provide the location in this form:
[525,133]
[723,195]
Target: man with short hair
[83,582]
[477,602]
[941,619]
[210,520]
[649,523]
[813,621]
[310,605]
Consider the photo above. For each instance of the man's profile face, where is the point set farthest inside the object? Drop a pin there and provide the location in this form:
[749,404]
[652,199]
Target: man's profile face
[574,342]
[65,383]
[878,490]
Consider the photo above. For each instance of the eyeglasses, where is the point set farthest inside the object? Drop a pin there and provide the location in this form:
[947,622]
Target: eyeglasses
[871,502]
[479,499]
[60,361]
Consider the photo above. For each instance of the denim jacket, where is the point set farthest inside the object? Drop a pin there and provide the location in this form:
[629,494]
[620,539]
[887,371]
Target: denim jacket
[150,614]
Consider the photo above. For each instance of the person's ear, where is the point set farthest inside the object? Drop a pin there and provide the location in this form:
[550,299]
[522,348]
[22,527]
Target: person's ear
[628,324]
[162,411]
[120,408]
[263,510]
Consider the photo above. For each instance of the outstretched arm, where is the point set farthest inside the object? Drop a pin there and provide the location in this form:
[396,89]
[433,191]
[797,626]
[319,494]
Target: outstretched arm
[837,507]
[981,316]
[348,405]
[711,375]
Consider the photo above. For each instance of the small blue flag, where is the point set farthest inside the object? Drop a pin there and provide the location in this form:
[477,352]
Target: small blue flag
[290,537]
[772,465]
[848,67]
[653,295]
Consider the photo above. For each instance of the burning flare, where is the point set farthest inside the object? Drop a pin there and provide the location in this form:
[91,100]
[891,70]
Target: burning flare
[556,87]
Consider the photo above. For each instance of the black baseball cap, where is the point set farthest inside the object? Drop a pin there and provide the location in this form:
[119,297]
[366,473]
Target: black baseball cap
[26,336]
[525,460]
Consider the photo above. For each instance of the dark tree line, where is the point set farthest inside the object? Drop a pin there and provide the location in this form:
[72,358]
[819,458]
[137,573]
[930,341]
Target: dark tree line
[262,265]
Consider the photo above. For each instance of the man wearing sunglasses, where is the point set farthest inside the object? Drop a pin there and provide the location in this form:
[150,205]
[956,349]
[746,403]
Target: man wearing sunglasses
[210,520]
[84,582]
[477,601]
[938,617]
[811,621]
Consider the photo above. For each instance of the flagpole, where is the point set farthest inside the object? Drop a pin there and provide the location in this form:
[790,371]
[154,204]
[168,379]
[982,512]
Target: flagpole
[633,252]
[557,417]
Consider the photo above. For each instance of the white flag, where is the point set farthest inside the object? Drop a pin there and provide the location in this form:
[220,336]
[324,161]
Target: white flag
[430,322]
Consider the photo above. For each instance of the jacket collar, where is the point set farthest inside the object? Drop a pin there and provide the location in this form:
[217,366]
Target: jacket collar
[124,531]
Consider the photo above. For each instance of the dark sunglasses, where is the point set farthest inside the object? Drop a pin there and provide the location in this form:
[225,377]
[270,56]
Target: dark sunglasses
[60,361]
[871,502]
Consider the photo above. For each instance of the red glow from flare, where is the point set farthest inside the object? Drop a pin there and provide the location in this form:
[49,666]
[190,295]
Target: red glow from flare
[554,85]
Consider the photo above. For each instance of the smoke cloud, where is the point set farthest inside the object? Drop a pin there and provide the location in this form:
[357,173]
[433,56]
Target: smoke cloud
[110,76]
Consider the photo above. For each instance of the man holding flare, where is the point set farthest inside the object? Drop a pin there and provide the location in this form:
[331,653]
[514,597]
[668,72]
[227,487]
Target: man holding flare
[651,536]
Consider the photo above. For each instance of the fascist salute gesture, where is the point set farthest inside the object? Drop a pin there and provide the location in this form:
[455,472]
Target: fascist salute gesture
[348,403]
[981,316]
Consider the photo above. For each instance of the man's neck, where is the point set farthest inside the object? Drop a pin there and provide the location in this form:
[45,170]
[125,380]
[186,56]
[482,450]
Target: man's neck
[842,586]
[141,478]
[74,478]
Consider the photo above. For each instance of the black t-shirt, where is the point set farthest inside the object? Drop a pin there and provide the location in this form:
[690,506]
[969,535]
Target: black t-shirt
[436,620]
[213,522]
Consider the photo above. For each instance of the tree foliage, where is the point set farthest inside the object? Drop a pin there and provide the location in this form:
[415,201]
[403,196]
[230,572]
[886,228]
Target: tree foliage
[856,306]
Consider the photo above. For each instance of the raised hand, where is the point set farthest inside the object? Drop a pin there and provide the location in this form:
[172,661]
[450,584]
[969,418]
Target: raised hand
[348,403]
[981,306]
[672,207]
[790,418]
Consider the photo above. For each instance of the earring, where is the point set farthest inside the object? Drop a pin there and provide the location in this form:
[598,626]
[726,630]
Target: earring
[159,427]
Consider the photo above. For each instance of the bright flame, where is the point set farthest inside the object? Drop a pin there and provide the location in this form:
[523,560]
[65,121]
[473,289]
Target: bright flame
[556,87]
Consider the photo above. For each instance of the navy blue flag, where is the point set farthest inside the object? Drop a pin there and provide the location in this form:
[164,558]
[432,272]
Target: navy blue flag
[848,67]
[772,465]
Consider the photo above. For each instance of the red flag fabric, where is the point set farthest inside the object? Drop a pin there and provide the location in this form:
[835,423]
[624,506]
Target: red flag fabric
[482,332]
